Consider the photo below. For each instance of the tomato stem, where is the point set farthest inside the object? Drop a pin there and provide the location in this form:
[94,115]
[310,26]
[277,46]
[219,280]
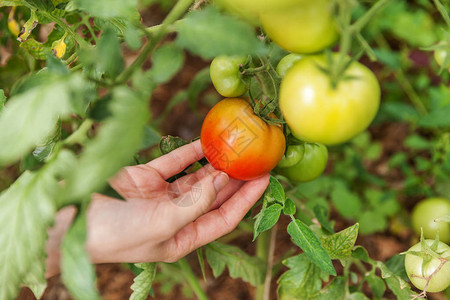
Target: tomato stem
[192,279]
[178,10]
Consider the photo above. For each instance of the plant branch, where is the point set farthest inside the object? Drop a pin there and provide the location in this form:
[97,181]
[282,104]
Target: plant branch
[268,279]
[192,279]
[160,32]
[79,135]
[358,25]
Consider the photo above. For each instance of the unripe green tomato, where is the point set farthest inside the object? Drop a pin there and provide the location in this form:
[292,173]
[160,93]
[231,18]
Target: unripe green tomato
[440,55]
[254,7]
[293,155]
[226,77]
[287,62]
[307,27]
[424,214]
[310,167]
[414,267]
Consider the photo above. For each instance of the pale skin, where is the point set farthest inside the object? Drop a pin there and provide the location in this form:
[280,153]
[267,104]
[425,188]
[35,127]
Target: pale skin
[159,221]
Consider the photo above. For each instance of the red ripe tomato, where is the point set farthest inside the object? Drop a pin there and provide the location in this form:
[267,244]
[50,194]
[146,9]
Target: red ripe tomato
[238,142]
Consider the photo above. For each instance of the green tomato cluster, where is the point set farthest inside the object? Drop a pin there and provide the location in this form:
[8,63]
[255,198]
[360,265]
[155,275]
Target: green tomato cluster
[304,162]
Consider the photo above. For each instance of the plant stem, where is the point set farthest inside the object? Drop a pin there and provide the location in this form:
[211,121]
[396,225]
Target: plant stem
[79,135]
[262,252]
[358,25]
[268,280]
[174,14]
[192,279]
[67,28]
[442,11]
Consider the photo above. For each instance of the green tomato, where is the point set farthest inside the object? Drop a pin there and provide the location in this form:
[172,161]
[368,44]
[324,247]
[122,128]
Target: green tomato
[307,27]
[226,77]
[424,214]
[414,267]
[441,54]
[315,111]
[287,62]
[294,154]
[310,167]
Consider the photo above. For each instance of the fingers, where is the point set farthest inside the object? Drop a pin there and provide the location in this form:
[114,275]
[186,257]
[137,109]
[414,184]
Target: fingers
[218,222]
[177,160]
[188,206]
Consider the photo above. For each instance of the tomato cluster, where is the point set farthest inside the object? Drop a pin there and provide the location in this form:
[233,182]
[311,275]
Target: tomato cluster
[317,109]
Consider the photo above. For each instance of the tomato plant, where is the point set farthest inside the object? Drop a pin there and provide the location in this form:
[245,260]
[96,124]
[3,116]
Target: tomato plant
[424,215]
[306,27]
[226,77]
[238,142]
[318,112]
[438,269]
[303,162]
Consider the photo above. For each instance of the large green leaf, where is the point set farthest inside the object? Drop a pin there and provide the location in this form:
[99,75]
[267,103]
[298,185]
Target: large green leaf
[340,245]
[30,116]
[240,264]
[303,279]
[119,137]
[143,282]
[305,238]
[78,273]
[27,210]
[208,33]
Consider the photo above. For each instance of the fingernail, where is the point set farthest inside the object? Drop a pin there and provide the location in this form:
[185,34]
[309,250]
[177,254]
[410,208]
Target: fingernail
[220,181]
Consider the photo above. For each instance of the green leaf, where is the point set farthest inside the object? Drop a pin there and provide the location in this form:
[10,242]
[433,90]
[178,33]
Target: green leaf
[360,253]
[169,143]
[266,219]
[132,37]
[403,292]
[78,273]
[289,207]
[201,82]
[28,208]
[357,296]
[167,60]
[11,3]
[340,245]
[396,281]
[45,5]
[109,55]
[347,203]
[201,261]
[143,282]
[108,8]
[275,191]
[2,100]
[151,137]
[372,221]
[104,156]
[376,285]
[416,142]
[305,238]
[335,290]
[321,214]
[36,49]
[396,264]
[302,280]
[30,116]
[208,33]
[436,119]
[240,264]
[28,27]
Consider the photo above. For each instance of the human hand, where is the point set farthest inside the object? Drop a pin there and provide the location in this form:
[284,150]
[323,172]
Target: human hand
[161,221]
